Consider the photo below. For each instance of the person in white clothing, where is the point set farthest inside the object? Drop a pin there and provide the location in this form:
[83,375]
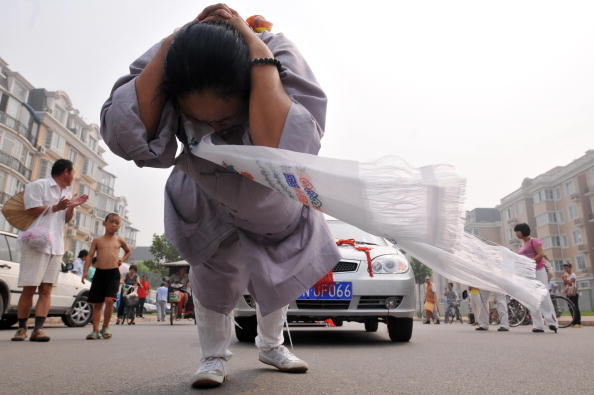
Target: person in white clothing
[79,263]
[162,294]
[483,313]
[39,270]
[532,248]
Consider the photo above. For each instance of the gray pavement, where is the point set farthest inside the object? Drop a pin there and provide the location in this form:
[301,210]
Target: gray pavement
[152,358]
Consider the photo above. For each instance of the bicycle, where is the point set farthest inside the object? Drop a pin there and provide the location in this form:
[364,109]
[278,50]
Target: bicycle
[519,314]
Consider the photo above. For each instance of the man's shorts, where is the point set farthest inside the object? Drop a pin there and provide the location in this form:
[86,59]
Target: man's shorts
[38,267]
[106,283]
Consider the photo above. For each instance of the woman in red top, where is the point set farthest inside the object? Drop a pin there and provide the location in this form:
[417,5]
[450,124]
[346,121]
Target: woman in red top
[143,292]
[532,248]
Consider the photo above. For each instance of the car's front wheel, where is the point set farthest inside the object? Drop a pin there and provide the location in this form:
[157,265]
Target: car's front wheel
[400,329]
[246,329]
[80,314]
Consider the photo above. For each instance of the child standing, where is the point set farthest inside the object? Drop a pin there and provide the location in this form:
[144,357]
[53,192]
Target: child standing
[104,288]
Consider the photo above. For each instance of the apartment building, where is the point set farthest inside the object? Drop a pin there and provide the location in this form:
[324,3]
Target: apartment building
[558,205]
[484,223]
[38,127]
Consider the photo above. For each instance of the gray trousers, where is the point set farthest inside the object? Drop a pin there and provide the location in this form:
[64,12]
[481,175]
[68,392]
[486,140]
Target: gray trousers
[161,310]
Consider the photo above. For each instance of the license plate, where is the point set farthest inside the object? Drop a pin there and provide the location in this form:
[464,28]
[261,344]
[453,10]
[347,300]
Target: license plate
[335,291]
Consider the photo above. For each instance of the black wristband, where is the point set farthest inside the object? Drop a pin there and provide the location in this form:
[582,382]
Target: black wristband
[273,61]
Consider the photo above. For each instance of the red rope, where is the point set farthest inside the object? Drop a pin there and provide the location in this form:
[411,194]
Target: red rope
[366,250]
[327,281]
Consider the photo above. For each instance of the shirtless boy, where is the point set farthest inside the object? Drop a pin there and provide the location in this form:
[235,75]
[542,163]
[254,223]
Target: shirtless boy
[106,281]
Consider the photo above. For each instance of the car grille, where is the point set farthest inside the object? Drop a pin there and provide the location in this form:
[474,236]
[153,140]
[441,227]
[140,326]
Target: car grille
[323,304]
[376,302]
[345,267]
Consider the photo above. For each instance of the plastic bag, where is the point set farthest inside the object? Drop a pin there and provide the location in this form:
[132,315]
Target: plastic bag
[38,237]
[421,208]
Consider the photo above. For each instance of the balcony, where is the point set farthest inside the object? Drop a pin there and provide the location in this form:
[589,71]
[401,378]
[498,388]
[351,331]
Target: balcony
[106,189]
[15,164]
[575,196]
[582,247]
[17,126]
[578,222]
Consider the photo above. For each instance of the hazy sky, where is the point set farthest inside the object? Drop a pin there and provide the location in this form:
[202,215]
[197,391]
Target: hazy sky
[502,90]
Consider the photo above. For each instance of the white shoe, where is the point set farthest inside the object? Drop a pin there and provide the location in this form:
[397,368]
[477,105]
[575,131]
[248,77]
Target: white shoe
[283,359]
[211,373]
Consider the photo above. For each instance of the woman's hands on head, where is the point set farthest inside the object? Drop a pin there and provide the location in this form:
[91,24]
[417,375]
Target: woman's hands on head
[224,13]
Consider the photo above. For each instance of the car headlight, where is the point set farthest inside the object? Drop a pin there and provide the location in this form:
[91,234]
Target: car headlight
[389,264]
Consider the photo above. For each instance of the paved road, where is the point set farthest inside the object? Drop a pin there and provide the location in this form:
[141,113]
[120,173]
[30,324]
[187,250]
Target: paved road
[150,358]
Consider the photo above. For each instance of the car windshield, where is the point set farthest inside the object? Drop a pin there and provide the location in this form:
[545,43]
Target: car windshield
[342,230]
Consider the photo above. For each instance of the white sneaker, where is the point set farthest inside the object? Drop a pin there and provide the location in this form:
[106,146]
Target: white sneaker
[283,359]
[211,373]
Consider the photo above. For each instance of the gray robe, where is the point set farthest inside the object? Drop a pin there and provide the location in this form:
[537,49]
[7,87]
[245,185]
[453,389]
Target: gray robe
[235,233]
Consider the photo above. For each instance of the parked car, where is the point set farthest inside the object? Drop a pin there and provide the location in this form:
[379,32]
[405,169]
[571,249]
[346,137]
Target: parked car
[69,295]
[149,308]
[387,297]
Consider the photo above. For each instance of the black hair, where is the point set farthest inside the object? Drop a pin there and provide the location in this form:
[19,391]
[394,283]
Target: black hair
[60,166]
[211,55]
[524,228]
[452,284]
[83,253]
[133,267]
[108,216]
[163,284]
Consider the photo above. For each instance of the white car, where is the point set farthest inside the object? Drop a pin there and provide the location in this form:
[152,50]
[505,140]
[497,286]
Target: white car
[388,296]
[69,295]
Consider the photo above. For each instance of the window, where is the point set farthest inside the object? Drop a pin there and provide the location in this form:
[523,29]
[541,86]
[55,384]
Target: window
[570,187]
[55,142]
[15,250]
[12,108]
[10,145]
[546,194]
[2,178]
[577,237]
[511,235]
[83,135]
[72,155]
[44,169]
[573,212]
[581,262]
[558,264]
[60,114]
[19,91]
[14,185]
[509,214]
[554,242]
[555,217]
[89,168]
[93,143]
[4,250]
[520,208]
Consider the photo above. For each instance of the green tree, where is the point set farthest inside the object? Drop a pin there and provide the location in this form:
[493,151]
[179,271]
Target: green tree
[163,250]
[421,272]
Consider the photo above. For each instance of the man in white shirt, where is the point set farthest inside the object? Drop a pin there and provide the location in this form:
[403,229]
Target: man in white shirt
[162,293]
[39,270]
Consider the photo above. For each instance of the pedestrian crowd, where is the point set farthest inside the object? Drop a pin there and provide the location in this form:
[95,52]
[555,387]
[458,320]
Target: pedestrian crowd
[481,314]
